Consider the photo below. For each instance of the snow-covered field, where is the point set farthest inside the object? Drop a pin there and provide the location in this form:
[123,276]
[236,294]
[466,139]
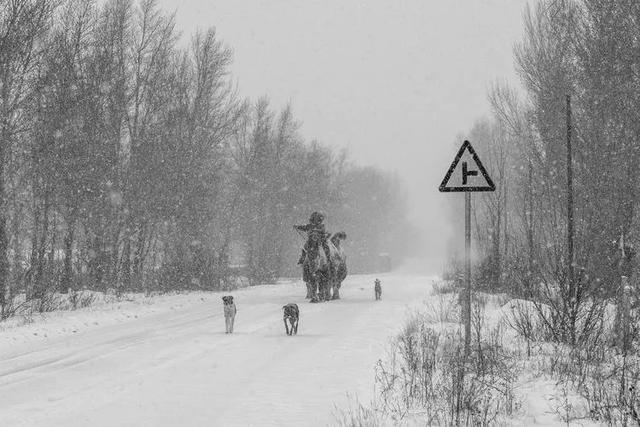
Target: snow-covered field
[167,361]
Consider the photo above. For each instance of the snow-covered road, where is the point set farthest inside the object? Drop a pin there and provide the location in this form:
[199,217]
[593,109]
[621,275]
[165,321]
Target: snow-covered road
[178,367]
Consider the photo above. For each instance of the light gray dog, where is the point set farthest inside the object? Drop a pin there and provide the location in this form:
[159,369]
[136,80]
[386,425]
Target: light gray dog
[229,313]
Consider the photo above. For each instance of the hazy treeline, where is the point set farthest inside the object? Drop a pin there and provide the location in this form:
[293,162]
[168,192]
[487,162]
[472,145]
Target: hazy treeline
[128,161]
[585,49]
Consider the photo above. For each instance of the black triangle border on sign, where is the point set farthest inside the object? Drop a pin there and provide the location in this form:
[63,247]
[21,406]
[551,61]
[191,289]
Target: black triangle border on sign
[443,186]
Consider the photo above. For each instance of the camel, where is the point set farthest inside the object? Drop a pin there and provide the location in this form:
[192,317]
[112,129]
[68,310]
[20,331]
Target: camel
[323,276]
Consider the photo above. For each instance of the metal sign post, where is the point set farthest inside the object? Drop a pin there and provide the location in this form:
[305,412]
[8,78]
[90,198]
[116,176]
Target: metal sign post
[467,271]
[472,177]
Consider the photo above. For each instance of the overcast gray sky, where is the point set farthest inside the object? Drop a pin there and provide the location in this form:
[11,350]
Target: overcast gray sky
[393,81]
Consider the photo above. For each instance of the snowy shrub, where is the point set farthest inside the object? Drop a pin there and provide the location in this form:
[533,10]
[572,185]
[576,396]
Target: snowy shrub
[603,381]
[611,392]
[443,309]
[607,384]
[234,282]
[427,378]
[48,302]
[445,287]
[523,318]
[13,307]
[81,299]
[454,270]
[358,415]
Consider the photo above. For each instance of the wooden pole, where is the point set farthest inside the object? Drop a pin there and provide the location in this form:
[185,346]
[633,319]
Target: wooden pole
[625,315]
[569,196]
[570,231]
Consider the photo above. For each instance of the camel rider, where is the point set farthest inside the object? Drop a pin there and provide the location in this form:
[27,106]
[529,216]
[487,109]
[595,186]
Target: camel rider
[315,225]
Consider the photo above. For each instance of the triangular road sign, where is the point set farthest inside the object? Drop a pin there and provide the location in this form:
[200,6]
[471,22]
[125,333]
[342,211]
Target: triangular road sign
[468,174]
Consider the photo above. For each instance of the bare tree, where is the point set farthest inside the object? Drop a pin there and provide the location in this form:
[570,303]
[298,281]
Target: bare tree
[23,29]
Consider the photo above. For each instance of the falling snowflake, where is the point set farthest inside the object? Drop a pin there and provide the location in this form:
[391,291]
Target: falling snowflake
[115,198]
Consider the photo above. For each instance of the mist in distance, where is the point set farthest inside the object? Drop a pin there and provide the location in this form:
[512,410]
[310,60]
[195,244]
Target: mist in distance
[395,83]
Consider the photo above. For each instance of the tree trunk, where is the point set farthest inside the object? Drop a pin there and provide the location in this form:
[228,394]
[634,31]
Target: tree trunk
[497,262]
[51,264]
[18,272]
[4,262]
[65,283]
[142,245]
[125,283]
[42,248]
[98,260]
[33,260]
[112,266]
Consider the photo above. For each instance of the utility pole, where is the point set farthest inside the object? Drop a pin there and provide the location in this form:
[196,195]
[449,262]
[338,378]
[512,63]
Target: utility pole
[622,314]
[570,232]
[569,197]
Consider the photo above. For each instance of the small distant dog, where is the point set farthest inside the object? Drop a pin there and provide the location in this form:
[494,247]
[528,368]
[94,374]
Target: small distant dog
[378,289]
[291,313]
[229,313]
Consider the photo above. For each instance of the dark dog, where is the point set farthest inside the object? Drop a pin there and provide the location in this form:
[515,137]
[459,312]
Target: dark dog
[378,289]
[229,313]
[291,313]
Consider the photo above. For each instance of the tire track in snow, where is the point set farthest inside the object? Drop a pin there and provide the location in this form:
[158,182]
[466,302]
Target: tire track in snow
[179,368]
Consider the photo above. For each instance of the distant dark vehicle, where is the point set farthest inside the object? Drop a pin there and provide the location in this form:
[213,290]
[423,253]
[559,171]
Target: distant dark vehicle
[384,262]
[292,314]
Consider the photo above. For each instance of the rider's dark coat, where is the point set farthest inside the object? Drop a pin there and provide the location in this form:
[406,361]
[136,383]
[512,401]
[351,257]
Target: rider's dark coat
[313,226]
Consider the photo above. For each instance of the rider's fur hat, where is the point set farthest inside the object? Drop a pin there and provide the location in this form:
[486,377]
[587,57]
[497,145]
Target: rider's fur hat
[316,218]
